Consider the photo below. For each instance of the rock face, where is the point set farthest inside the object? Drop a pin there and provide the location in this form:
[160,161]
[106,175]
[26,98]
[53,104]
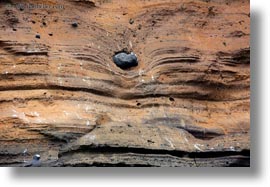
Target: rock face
[185,104]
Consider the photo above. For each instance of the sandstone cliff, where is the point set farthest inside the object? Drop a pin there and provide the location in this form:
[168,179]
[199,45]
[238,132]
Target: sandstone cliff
[185,104]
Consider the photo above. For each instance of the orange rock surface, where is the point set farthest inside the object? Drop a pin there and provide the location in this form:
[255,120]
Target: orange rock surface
[187,103]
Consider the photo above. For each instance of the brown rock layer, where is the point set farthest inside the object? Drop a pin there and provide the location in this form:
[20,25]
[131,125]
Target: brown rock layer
[185,104]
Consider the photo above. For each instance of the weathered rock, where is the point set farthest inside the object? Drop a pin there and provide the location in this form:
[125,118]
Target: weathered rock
[186,103]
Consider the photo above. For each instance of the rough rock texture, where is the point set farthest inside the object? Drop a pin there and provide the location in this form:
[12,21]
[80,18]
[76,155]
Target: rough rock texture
[185,104]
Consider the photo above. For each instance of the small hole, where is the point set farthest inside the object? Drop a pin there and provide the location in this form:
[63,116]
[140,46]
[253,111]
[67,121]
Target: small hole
[74,24]
[138,104]
[171,99]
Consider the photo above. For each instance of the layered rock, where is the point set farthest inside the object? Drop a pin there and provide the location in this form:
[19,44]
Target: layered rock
[185,104]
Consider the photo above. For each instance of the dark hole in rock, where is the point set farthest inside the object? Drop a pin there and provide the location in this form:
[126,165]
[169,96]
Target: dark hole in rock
[74,24]
[131,21]
[171,99]
[150,141]
[138,104]
[125,60]
[38,36]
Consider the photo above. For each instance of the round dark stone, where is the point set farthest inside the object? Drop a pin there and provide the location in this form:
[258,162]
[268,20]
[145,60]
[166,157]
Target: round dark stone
[125,61]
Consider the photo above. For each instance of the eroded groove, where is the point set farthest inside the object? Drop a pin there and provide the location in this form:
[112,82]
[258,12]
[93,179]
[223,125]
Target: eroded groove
[239,57]
[103,149]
